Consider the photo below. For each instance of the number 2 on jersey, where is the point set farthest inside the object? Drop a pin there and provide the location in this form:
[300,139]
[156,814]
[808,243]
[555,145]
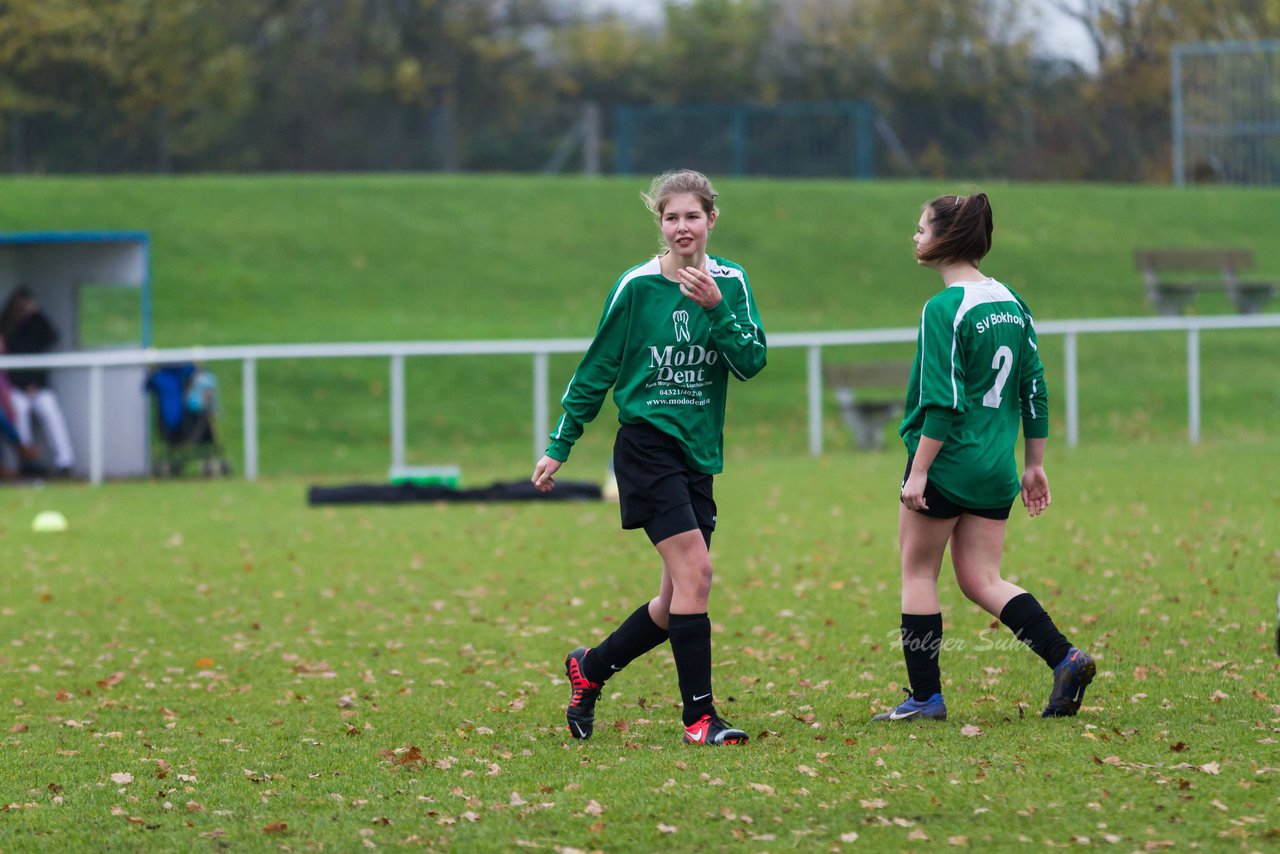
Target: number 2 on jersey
[1003,362]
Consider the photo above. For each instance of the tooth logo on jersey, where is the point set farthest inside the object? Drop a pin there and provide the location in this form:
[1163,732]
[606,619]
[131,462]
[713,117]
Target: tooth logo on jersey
[681,321]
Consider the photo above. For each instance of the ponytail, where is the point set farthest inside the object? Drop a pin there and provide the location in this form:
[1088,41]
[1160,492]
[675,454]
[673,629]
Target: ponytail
[962,227]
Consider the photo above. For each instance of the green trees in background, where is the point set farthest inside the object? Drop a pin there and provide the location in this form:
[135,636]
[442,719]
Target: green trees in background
[184,80]
[198,85]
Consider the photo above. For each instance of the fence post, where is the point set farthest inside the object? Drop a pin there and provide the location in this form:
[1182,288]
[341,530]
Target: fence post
[1072,390]
[623,119]
[591,135]
[1193,385]
[540,361]
[397,411]
[815,400]
[1175,84]
[249,378]
[95,424]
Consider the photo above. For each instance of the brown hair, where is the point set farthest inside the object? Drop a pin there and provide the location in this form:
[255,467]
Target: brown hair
[961,228]
[15,309]
[670,184]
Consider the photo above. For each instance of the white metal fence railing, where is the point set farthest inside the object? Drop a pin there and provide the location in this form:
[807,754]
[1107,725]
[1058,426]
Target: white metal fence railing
[541,349]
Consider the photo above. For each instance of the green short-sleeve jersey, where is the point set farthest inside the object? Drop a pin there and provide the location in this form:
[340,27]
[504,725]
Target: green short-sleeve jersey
[668,361]
[977,373]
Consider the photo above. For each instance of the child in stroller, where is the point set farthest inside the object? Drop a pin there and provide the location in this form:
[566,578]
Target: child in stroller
[186,401]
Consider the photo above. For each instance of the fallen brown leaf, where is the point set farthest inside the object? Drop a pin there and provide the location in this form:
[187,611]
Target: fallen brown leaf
[410,756]
[111,681]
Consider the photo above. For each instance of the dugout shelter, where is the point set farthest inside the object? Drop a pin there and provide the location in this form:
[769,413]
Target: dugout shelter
[95,287]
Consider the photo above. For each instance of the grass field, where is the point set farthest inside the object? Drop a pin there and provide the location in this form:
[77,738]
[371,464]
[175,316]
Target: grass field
[212,665]
[217,666]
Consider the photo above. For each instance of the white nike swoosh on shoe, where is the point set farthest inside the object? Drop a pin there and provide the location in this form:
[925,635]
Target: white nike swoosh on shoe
[894,716]
[614,667]
[696,698]
[581,734]
[696,739]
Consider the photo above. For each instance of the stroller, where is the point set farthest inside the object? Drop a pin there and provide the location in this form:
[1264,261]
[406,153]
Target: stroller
[186,403]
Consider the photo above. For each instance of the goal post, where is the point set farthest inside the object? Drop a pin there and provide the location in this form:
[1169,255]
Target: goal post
[1226,112]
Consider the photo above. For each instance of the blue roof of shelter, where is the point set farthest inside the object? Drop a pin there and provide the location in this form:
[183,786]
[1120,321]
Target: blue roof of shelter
[34,238]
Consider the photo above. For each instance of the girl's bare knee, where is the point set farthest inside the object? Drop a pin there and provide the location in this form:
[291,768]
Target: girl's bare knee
[702,581]
[976,590]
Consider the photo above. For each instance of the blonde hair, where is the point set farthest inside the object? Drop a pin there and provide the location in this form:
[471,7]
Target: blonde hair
[674,183]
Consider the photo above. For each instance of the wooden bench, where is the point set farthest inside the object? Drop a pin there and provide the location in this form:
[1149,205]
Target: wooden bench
[870,395]
[1173,277]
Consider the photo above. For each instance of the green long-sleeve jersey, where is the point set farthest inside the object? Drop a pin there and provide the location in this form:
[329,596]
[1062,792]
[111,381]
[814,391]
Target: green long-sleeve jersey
[668,361]
[977,372]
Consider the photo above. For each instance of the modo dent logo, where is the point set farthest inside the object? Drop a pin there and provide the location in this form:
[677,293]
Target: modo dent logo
[681,364]
[681,320]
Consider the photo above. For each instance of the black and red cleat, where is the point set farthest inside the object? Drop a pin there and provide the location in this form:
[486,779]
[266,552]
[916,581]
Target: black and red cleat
[712,730]
[581,711]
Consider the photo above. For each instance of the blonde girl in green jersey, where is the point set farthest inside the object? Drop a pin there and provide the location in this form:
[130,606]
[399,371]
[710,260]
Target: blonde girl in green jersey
[674,330]
[977,376]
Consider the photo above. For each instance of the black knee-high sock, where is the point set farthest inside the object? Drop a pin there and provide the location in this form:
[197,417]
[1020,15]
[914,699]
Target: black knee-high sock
[1031,625]
[637,635]
[921,643]
[691,648]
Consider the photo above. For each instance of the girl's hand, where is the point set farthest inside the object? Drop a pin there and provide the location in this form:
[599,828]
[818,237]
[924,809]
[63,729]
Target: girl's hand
[1035,490]
[542,474]
[913,492]
[699,286]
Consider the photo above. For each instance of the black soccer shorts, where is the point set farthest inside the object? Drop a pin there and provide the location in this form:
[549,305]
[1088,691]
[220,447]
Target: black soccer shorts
[657,490]
[942,507]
